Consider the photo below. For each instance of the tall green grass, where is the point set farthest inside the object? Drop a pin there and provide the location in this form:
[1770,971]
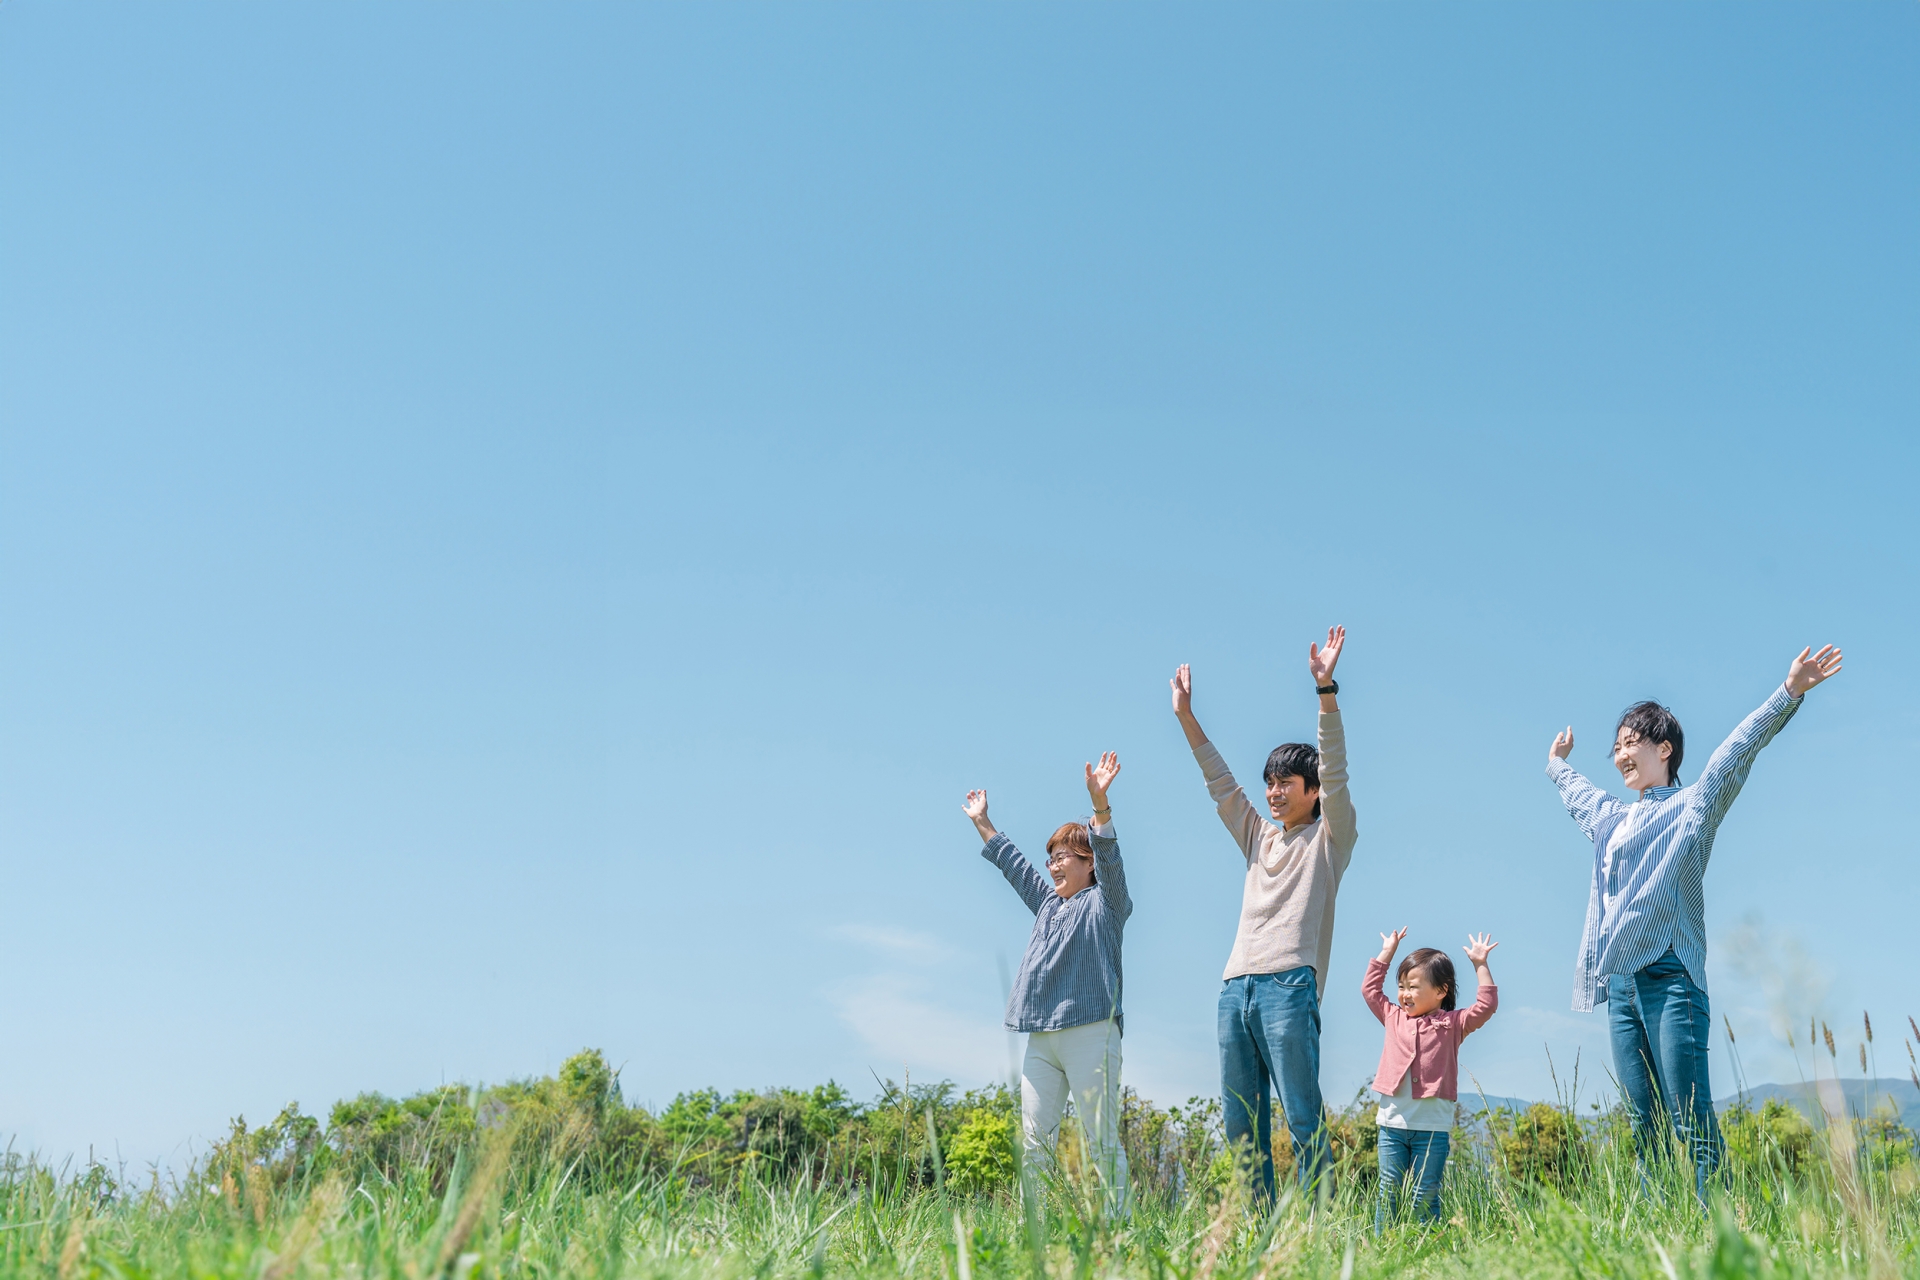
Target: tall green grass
[558,1178]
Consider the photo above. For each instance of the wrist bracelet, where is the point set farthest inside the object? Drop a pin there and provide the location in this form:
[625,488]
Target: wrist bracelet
[1331,686]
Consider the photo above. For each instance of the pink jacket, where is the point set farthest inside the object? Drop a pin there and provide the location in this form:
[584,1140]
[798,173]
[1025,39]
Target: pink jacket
[1430,1045]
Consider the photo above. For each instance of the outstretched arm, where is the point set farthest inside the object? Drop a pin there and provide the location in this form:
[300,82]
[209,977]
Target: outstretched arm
[1487,998]
[976,809]
[1586,802]
[1371,990]
[1229,800]
[1336,802]
[1321,662]
[1182,683]
[1110,872]
[1033,888]
[1731,762]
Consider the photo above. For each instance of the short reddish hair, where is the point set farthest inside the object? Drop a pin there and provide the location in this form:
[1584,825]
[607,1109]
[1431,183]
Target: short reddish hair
[1071,836]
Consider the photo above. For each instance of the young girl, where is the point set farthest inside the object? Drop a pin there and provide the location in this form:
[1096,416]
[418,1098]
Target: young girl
[1067,993]
[1419,1067]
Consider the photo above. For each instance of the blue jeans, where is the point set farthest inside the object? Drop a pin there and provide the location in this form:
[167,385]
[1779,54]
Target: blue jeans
[1660,1025]
[1418,1155]
[1270,1037]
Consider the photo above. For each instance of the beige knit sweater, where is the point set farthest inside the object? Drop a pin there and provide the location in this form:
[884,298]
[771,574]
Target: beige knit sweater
[1286,908]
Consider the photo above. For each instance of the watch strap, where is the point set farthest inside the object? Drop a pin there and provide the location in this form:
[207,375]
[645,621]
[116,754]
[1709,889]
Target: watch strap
[1331,686]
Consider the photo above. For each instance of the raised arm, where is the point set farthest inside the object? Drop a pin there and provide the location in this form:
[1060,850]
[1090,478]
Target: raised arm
[1336,802]
[1731,762]
[1487,998]
[1586,802]
[1240,817]
[1109,872]
[1372,989]
[1033,888]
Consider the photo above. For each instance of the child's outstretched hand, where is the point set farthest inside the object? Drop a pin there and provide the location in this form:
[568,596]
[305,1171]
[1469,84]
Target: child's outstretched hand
[1390,943]
[1479,948]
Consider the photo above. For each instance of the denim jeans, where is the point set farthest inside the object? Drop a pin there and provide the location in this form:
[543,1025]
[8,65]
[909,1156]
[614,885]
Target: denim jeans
[1659,1022]
[1270,1038]
[1420,1157]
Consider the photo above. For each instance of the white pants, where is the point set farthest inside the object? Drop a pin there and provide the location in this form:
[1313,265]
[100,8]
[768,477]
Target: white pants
[1086,1061]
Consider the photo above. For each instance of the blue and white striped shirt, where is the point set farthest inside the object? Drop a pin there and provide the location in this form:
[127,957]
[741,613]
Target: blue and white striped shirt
[1649,897]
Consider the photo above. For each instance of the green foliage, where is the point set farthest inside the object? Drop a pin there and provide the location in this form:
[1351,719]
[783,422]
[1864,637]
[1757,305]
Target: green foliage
[559,1177]
[1171,1151]
[1543,1145]
[980,1156]
[1776,1135]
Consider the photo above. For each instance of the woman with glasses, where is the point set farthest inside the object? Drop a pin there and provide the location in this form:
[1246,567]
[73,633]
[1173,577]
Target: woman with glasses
[1066,996]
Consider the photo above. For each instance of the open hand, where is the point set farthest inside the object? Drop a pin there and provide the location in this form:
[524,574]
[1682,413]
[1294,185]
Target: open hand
[1182,683]
[1390,943]
[1562,744]
[1479,948]
[1810,668]
[1321,662]
[976,807]
[1099,779]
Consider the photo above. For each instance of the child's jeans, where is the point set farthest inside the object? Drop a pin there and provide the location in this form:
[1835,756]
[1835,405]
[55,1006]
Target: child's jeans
[1417,1157]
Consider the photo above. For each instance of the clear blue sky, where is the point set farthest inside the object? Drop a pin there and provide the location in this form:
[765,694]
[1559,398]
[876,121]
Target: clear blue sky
[519,525]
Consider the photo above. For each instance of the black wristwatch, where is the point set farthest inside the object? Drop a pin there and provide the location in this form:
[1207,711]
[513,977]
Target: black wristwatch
[1331,686]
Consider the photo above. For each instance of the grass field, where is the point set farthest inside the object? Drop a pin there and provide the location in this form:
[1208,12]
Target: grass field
[557,1177]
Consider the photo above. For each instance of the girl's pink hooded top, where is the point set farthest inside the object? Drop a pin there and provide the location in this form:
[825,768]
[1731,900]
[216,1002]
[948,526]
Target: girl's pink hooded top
[1430,1045]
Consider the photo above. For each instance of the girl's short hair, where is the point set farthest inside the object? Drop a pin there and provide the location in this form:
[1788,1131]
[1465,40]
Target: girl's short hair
[1436,967]
[1073,837]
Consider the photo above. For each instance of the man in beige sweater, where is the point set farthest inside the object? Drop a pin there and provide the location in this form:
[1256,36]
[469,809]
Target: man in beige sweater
[1269,1023]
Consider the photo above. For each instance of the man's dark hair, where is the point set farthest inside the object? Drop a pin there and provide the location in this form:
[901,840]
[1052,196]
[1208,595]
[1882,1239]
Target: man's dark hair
[1436,967]
[1295,760]
[1651,722]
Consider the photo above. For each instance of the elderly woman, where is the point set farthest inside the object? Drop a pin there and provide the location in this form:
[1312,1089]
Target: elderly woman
[1066,996]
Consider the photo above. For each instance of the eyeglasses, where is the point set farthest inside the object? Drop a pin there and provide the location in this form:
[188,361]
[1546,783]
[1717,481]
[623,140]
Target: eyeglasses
[1058,859]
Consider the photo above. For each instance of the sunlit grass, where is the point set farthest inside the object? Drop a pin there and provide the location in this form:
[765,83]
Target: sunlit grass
[555,1178]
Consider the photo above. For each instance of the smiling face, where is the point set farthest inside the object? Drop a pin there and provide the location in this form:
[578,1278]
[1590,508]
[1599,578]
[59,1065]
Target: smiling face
[1071,871]
[1642,762]
[1418,997]
[1290,800]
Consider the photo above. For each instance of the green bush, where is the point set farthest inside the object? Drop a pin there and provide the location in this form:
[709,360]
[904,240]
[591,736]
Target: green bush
[1542,1145]
[1774,1137]
[980,1154]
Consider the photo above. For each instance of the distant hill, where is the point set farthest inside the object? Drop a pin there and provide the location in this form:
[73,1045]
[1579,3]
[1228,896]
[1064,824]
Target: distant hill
[1863,1097]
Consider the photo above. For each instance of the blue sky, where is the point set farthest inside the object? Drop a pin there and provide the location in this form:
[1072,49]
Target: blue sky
[518,526]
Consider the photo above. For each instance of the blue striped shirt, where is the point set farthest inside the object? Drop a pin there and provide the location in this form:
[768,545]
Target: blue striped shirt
[1648,896]
[1070,974]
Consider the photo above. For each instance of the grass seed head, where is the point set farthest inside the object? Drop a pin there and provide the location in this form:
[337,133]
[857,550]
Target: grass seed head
[1864,1017]
[1729,1022]
[1828,1033]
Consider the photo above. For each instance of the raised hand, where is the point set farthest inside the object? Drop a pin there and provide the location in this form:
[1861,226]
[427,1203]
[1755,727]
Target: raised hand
[1479,947]
[1390,943]
[1182,683]
[1098,780]
[1810,668]
[1321,662]
[1562,744]
[976,809]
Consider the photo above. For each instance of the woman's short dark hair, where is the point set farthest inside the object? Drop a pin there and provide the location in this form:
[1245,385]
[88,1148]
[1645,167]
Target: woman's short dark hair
[1651,722]
[1295,760]
[1436,967]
